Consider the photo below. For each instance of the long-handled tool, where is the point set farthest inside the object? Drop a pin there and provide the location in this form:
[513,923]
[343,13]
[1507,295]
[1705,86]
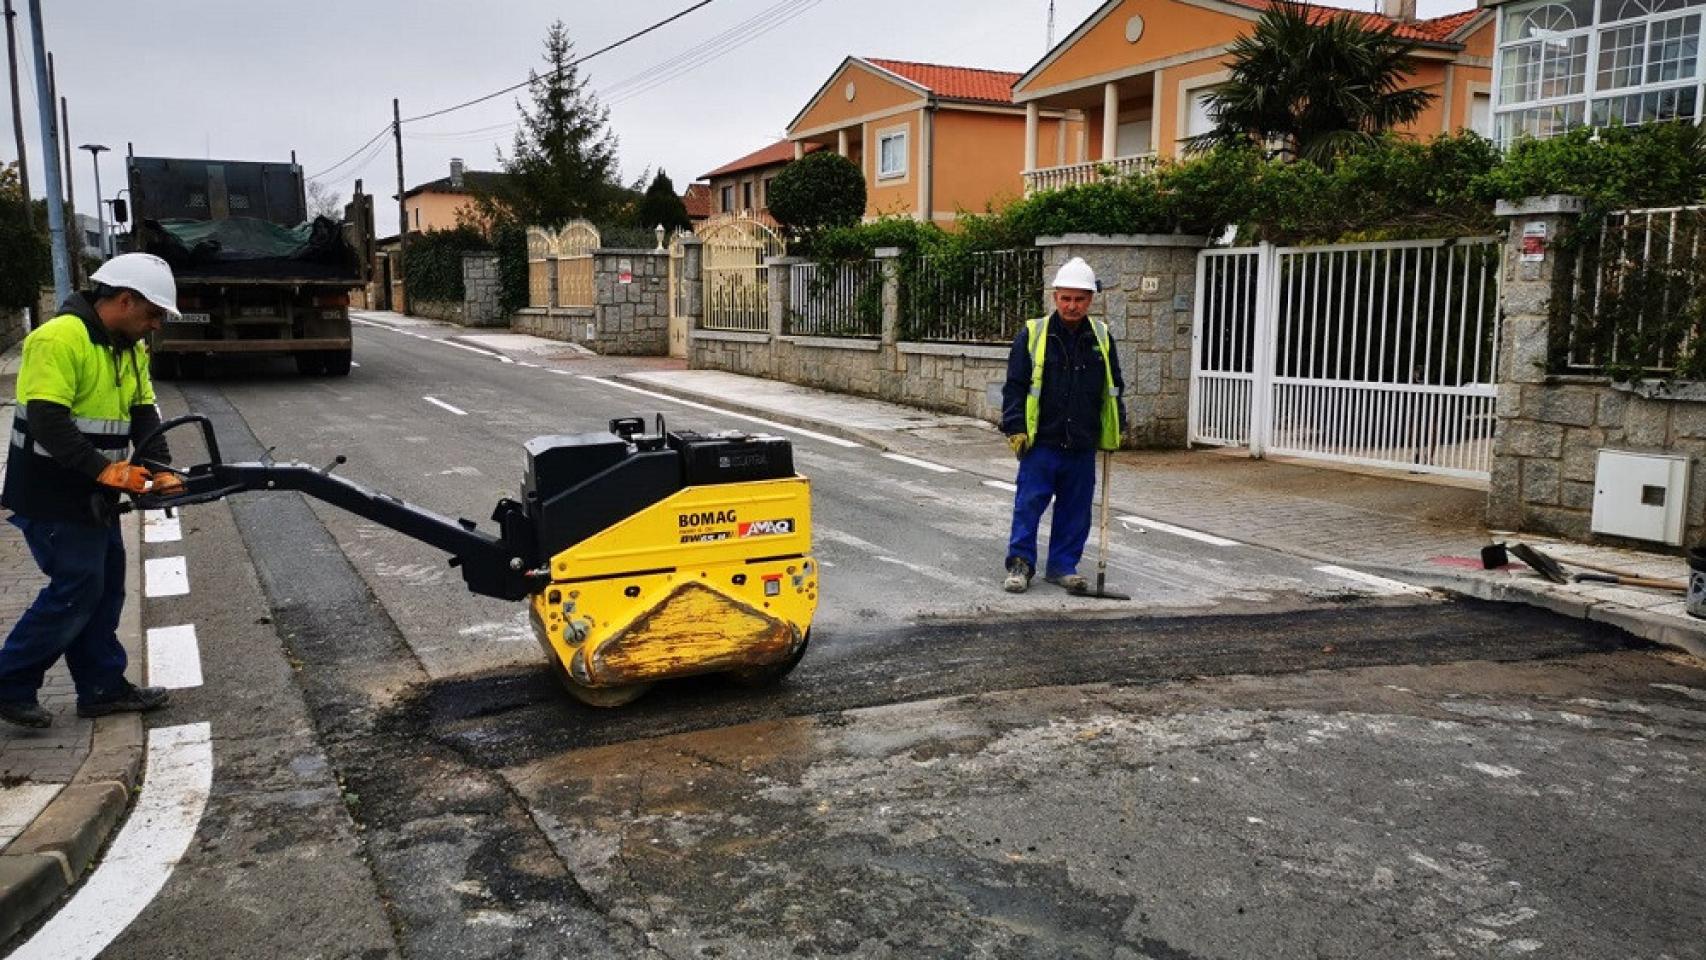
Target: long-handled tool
[1102,590]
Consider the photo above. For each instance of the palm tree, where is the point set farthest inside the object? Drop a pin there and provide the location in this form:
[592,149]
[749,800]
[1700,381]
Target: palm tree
[1309,85]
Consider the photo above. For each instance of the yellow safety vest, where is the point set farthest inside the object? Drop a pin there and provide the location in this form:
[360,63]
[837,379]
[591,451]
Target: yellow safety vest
[1036,332]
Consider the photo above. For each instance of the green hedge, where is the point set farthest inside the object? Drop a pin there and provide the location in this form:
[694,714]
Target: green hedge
[433,266]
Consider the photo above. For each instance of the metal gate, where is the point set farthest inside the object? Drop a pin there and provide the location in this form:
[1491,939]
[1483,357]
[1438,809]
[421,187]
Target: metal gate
[736,281]
[679,321]
[1381,354]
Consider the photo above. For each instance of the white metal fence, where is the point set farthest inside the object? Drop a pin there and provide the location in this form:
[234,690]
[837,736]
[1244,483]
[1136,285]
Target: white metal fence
[1640,300]
[1370,353]
[836,300]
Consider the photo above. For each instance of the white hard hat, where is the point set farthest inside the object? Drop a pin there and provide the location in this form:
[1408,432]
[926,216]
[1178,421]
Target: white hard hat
[146,274]
[1075,274]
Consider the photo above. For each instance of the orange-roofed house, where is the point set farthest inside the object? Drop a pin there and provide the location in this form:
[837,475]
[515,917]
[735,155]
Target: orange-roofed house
[697,201]
[932,140]
[742,187]
[1140,73]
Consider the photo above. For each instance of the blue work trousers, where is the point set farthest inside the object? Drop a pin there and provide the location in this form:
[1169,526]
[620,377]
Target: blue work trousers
[1068,477]
[75,615]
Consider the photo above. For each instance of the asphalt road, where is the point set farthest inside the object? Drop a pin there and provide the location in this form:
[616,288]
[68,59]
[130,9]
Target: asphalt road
[1255,758]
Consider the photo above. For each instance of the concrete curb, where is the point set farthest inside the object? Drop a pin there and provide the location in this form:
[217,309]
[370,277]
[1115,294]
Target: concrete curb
[1652,627]
[59,846]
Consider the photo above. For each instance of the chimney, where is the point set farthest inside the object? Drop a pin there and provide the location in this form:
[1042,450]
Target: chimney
[1403,11]
[456,165]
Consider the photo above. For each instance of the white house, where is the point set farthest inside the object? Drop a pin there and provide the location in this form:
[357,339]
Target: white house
[1566,63]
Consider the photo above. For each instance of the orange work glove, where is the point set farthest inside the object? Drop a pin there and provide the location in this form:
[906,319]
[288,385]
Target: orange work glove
[125,476]
[167,484]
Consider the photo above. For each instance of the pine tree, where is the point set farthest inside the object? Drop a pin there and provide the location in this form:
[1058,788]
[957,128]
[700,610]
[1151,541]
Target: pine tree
[661,205]
[563,161]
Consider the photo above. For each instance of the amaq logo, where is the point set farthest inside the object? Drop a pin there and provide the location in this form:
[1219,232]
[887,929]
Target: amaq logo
[766,528]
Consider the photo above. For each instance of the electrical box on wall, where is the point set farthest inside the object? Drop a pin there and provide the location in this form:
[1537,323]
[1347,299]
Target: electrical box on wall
[1643,496]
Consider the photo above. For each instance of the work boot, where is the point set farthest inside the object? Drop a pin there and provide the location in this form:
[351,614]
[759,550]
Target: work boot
[133,699]
[25,714]
[1018,576]
[1074,583]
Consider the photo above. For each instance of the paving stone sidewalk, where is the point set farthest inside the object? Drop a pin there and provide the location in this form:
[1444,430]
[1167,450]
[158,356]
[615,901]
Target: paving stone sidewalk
[1423,530]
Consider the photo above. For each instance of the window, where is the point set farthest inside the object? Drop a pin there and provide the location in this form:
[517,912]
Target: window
[728,198]
[891,155]
[417,218]
[1199,117]
[1481,114]
[1645,64]
[764,192]
[746,195]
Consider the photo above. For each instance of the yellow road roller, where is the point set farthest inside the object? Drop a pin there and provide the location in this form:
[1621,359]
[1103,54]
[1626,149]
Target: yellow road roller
[644,555]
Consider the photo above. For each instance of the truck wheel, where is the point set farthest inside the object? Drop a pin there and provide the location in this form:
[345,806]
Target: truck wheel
[310,363]
[335,363]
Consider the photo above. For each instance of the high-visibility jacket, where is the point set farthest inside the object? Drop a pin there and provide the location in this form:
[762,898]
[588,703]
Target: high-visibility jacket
[1072,414]
[72,361]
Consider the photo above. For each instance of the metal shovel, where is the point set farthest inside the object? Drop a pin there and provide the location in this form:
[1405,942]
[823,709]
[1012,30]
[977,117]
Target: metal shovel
[1101,590]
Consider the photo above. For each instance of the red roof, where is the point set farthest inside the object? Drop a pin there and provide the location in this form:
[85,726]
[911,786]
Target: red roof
[1436,30]
[954,83]
[697,200]
[778,153]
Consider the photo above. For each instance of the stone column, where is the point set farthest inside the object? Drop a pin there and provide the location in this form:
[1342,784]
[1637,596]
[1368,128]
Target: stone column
[1147,298]
[1527,453]
[1110,119]
[781,283]
[889,257]
[1033,115]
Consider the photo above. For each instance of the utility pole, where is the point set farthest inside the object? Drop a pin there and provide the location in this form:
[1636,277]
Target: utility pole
[50,156]
[402,205]
[100,211]
[18,116]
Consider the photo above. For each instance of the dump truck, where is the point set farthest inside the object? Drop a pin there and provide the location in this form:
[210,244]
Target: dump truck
[256,274]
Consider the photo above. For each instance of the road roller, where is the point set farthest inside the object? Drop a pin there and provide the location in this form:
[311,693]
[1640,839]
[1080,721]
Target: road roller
[643,554]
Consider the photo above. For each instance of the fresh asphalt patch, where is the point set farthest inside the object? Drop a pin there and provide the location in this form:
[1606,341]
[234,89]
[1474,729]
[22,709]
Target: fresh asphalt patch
[462,865]
[511,717]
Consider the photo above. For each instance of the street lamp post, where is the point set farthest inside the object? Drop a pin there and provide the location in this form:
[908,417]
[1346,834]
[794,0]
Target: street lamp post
[100,211]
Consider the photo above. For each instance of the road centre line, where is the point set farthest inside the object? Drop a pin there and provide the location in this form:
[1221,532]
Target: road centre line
[445,406]
[1382,584]
[826,438]
[1188,534]
[925,464]
[174,657]
[165,577]
[177,781]
[159,528]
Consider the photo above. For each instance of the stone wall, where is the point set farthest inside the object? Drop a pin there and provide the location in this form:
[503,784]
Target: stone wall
[1552,427]
[1150,324]
[632,313]
[1148,296]
[482,285]
[12,327]
[448,311]
[555,323]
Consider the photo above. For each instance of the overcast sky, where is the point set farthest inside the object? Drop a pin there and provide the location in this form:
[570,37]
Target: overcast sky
[245,80]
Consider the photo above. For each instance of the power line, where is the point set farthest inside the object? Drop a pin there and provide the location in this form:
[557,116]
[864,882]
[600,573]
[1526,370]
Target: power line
[382,132]
[575,63]
[682,70]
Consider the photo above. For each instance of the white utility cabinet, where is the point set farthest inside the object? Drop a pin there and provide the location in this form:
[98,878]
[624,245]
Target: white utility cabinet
[1643,496]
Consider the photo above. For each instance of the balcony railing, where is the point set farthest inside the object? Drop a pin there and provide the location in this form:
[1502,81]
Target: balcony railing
[1071,175]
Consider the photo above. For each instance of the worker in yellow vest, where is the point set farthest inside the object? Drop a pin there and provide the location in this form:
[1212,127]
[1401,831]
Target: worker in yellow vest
[84,396]
[1059,406]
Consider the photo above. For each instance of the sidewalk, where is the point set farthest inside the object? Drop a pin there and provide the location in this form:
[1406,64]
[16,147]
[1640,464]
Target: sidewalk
[63,789]
[1426,531]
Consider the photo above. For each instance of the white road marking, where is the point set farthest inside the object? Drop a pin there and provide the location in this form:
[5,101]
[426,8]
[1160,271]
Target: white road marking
[165,577]
[482,351]
[940,576]
[174,657]
[445,406]
[355,365]
[826,438]
[1001,485]
[925,464]
[1188,534]
[175,789]
[159,528]
[1381,584]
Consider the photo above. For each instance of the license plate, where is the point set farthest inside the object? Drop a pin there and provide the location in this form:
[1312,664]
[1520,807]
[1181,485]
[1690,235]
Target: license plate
[195,318]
